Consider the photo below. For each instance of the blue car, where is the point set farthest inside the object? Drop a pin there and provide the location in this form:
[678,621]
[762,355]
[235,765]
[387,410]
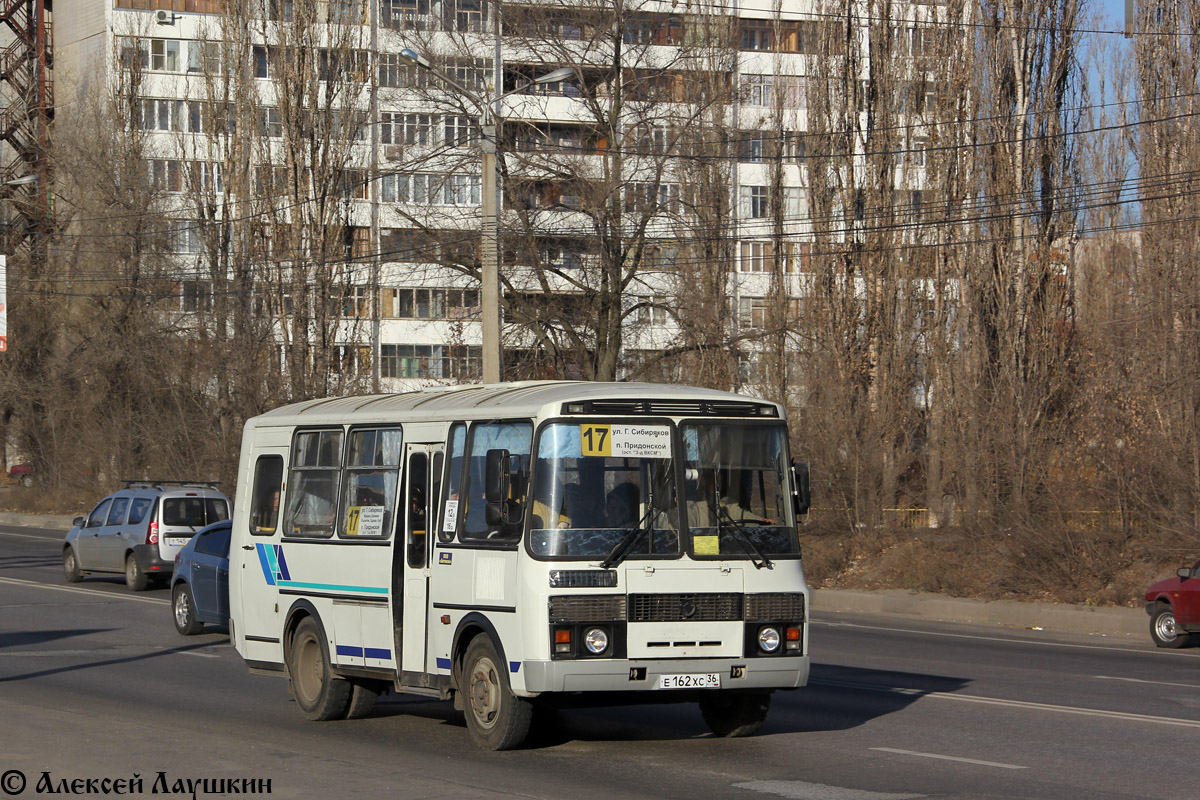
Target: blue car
[200,583]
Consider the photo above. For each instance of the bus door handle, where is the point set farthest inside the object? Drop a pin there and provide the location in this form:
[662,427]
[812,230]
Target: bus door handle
[247,547]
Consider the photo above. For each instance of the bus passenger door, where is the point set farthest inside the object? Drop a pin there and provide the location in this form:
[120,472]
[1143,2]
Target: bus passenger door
[422,463]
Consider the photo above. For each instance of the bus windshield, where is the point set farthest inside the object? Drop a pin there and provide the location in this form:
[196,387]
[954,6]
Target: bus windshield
[736,491]
[604,491]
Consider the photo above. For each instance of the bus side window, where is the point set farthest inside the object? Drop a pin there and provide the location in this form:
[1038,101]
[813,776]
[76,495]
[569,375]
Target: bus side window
[417,509]
[517,439]
[264,507]
[450,512]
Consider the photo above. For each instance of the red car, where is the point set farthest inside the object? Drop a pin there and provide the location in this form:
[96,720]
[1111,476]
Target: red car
[1174,607]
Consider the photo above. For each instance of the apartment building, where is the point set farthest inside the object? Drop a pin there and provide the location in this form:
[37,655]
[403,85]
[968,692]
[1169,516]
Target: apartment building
[688,119]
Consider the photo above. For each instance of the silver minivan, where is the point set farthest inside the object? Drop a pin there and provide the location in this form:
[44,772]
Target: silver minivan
[139,529]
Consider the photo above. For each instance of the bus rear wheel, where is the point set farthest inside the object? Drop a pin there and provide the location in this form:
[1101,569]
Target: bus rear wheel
[496,718]
[734,715]
[319,693]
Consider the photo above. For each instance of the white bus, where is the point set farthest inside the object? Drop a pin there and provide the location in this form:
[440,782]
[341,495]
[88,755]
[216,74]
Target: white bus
[515,544]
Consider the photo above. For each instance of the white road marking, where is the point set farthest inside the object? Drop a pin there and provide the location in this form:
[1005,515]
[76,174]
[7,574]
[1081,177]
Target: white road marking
[1155,683]
[996,701]
[975,761]
[30,536]
[90,592]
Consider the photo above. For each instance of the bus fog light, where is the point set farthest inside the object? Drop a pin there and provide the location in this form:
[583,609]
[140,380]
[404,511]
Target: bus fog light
[595,640]
[768,639]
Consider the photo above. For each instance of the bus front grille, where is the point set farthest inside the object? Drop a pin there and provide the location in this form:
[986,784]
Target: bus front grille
[723,607]
[774,606]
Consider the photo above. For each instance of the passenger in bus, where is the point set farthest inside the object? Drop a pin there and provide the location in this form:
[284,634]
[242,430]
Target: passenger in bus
[622,505]
[416,510]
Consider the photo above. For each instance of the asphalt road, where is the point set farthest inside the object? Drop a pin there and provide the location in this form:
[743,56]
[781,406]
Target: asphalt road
[95,683]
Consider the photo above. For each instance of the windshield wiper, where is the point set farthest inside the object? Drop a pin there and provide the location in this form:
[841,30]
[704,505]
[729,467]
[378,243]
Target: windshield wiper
[625,546]
[743,538]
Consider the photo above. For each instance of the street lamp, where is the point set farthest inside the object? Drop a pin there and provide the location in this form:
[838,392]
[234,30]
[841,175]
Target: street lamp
[489,289]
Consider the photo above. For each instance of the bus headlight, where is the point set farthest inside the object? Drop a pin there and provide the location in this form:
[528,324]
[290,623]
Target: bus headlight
[768,639]
[595,640]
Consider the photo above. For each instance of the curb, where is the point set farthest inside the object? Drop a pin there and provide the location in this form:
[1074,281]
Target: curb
[47,521]
[1108,621]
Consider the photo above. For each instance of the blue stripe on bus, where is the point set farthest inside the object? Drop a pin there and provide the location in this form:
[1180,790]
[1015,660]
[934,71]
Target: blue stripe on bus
[347,650]
[377,652]
[282,563]
[514,666]
[268,573]
[333,587]
[443,663]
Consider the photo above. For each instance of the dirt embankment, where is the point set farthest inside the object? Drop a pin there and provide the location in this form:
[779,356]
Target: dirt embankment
[1093,567]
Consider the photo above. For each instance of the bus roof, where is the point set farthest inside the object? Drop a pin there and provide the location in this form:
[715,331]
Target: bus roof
[523,399]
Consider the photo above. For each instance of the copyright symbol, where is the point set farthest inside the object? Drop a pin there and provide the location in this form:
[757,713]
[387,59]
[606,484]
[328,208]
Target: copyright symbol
[12,782]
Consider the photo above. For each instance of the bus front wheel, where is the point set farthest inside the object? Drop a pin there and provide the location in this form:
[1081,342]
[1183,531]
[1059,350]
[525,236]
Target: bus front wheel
[319,693]
[496,718]
[734,715]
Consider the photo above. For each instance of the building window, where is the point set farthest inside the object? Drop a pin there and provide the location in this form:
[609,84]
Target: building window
[752,312]
[204,57]
[457,131]
[757,34]
[390,70]
[346,12]
[396,128]
[272,123]
[165,175]
[753,201]
[164,55]
[266,62]
[756,256]
[786,91]
[406,15]
[186,237]
[653,311]
[465,15]
[195,296]
[428,361]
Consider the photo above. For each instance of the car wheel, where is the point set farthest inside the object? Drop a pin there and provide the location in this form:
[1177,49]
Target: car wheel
[71,565]
[362,700]
[319,693]
[1163,629]
[733,715]
[183,609]
[135,578]
[496,718]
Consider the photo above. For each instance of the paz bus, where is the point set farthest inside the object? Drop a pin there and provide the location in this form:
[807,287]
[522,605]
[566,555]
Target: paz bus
[510,545]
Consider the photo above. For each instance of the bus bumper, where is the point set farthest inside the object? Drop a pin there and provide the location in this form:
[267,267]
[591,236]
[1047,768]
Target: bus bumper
[627,675]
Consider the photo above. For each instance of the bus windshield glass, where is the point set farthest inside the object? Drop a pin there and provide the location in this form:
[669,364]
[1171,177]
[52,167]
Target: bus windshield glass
[604,491]
[736,491]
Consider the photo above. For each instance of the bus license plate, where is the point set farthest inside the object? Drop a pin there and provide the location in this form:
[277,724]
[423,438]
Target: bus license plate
[708,680]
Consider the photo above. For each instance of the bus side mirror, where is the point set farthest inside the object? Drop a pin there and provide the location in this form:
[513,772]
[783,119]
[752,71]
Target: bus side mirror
[496,486]
[496,476]
[802,496]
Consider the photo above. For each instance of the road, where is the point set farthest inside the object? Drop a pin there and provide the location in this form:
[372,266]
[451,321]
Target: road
[95,683]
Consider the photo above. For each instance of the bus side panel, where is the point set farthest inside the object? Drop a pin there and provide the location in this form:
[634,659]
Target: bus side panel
[255,561]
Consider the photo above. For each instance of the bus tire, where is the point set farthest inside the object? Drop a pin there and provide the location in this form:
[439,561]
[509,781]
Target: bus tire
[319,694]
[733,715]
[496,718]
[362,700]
